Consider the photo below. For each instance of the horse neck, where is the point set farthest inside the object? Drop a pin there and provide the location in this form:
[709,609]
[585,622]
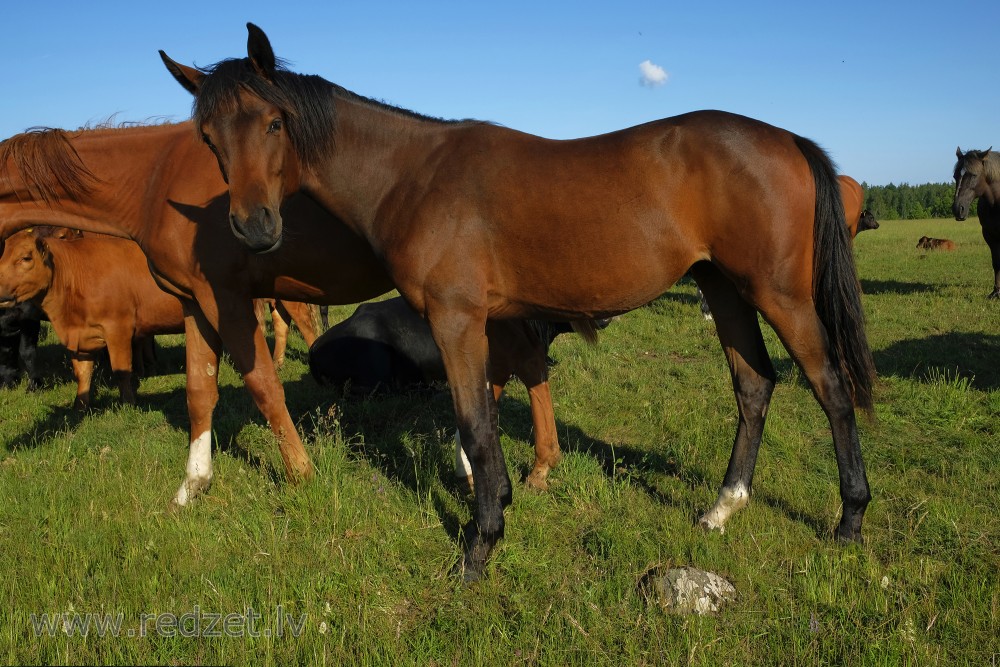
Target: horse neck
[372,148]
[121,162]
[991,179]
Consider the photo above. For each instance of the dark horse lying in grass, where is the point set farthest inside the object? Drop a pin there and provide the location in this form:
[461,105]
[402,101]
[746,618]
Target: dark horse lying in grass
[386,345]
[474,221]
[977,175]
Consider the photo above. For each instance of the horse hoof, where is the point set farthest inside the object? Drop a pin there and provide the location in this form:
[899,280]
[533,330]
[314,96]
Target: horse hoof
[710,525]
[466,484]
[845,537]
[190,489]
[303,473]
[537,482]
[469,571]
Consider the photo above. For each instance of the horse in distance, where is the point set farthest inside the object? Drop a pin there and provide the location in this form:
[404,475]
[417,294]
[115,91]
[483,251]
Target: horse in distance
[977,176]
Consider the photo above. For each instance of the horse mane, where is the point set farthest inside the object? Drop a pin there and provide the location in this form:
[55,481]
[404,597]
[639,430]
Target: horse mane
[990,164]
[48,164]
[308,102]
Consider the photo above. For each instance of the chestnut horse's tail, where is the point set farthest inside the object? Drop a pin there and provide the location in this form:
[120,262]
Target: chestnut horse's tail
[836,291]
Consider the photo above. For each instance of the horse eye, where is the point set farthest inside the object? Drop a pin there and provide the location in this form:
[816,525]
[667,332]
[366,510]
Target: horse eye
[274,126]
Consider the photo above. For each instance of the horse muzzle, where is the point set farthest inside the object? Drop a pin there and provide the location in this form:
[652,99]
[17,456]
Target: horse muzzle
[961,211]
[260,232]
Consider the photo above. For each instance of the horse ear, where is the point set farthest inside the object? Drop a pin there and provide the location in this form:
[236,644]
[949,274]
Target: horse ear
[188,77]
[260,52]
[43,249]
[958,152]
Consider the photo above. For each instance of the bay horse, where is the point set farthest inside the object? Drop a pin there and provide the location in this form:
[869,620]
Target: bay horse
[160,186]
[977,175]
[474,221]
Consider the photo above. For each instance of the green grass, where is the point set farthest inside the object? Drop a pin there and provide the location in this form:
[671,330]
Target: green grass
[646,420]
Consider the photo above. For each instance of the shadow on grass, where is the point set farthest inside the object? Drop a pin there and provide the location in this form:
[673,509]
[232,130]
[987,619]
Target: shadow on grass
[972,355]
[386,430]
[895,287]
[54,361]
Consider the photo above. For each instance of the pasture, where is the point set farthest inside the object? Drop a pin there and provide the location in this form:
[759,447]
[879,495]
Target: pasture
[353,567]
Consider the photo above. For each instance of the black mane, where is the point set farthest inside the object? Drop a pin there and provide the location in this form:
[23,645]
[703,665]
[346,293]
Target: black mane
[306,100]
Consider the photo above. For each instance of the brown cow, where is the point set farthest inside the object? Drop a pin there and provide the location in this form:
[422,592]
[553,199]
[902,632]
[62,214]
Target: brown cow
[98,293]
[927,243]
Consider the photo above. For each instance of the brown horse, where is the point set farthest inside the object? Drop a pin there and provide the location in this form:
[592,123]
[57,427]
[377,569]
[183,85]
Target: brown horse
[160,186]
[977,175]
[474,221]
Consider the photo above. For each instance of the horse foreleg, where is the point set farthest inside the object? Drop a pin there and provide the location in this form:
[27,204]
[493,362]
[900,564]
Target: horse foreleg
[245,342]
[202,350]
[462,340]
[995,258]
[753,382]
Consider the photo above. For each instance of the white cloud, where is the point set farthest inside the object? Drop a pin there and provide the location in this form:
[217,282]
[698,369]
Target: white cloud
[651,75]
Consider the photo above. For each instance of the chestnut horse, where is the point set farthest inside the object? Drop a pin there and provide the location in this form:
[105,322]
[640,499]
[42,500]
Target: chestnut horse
[977,175]
[474,221]
[160,186]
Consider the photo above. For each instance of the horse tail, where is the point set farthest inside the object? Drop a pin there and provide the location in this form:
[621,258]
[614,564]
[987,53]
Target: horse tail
[836,290]
[587,329]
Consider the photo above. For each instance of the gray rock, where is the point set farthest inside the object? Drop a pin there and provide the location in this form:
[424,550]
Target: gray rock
[687,590]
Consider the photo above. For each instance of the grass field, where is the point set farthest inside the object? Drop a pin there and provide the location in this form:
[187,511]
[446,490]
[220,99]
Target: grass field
[353,568]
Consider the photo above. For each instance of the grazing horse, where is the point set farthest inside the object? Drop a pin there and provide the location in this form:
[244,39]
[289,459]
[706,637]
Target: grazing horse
[475,221]
[175,209]
[858,218]
[977,175]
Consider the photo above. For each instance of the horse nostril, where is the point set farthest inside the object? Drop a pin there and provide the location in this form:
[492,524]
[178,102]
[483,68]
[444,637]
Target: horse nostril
[237,226]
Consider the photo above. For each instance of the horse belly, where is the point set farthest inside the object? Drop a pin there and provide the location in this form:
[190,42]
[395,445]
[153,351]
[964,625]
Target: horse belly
[623,270]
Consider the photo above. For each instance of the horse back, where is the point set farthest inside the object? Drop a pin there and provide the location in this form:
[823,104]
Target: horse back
[550,224]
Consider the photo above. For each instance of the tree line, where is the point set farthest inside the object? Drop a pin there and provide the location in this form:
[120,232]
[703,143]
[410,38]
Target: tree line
[911,202]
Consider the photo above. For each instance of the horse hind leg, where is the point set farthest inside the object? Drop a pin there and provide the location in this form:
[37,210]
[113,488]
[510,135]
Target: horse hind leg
[798,325]
[753,383]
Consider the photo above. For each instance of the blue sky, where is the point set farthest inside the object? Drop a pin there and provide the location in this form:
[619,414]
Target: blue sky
[888,88]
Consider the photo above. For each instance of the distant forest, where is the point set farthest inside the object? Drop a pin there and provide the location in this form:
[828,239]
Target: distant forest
[911,202]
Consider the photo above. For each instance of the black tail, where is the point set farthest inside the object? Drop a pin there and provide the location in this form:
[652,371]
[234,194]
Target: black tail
[836,291]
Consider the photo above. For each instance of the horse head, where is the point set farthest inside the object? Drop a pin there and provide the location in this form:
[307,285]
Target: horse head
[243,112]
[972,175]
